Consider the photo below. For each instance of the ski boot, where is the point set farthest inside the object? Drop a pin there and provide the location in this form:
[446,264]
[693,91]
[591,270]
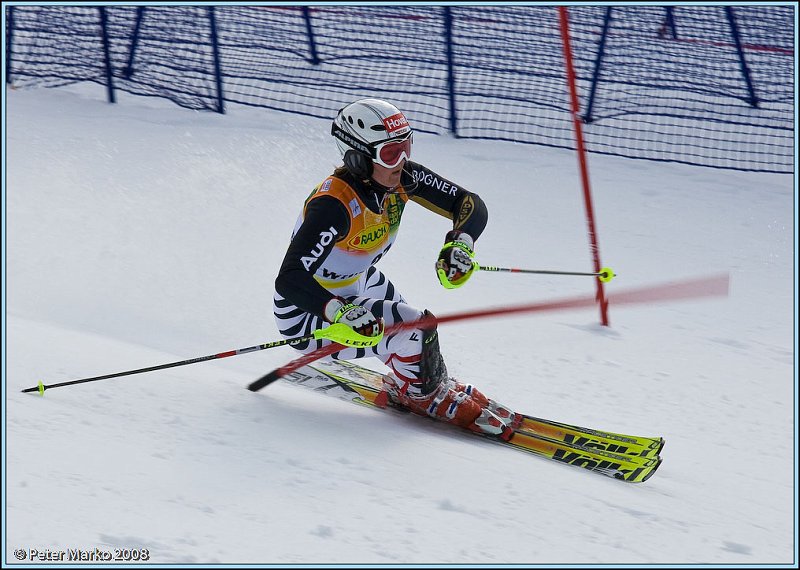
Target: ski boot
[438,396]
[505,414]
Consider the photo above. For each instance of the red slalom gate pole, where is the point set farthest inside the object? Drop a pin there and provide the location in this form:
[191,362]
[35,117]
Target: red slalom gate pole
[563,14]
[714,286]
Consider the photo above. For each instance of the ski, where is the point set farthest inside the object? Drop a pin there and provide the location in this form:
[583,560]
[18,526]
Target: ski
[628,458]
[625,468]
[597,440]
[588,437]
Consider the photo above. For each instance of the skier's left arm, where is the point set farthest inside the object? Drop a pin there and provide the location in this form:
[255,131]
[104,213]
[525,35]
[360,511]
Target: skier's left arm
[468,212]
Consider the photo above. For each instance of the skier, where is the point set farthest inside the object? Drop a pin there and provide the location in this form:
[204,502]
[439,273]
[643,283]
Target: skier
[349,222]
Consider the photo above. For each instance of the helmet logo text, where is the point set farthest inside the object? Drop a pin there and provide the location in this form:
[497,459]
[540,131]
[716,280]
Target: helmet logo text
[396,124]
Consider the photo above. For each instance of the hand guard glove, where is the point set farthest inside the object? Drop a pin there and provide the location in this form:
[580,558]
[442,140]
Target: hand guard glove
[353,325]
[455,264]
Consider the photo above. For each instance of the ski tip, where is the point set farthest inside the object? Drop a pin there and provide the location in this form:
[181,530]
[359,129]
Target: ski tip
[652,471]
[264,381]
[654,449]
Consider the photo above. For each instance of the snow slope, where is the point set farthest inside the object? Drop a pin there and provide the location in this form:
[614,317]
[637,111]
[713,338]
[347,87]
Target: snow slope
[142,233]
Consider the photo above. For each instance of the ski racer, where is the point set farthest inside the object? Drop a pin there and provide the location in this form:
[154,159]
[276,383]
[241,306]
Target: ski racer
[349,222]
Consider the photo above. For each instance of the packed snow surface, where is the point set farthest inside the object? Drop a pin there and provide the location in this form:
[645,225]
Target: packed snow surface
[142,233]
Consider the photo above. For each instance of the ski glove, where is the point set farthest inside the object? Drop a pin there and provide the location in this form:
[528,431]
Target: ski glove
[455,264]
[352,325]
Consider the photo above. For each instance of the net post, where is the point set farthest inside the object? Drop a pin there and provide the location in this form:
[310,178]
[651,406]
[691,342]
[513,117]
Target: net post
[107,55]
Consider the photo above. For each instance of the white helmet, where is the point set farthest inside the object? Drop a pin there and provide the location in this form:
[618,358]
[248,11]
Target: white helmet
[371,131]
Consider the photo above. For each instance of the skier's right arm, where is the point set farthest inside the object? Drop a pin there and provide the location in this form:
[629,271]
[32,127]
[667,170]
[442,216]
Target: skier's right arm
[310,245]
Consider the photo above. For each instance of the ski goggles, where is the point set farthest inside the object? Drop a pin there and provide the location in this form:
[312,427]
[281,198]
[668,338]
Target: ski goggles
[389,153]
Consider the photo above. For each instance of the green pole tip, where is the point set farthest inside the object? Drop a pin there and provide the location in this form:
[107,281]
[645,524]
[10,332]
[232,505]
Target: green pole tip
[606,275]
[41,388]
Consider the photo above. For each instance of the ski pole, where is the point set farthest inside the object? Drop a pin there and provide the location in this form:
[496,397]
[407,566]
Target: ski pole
[712,286]
[605,275]
[318,334]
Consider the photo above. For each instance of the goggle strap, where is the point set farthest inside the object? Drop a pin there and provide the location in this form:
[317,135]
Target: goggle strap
[351,141]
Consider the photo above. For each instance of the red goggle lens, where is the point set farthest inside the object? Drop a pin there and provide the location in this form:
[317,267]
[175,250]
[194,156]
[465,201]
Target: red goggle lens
[390,153]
